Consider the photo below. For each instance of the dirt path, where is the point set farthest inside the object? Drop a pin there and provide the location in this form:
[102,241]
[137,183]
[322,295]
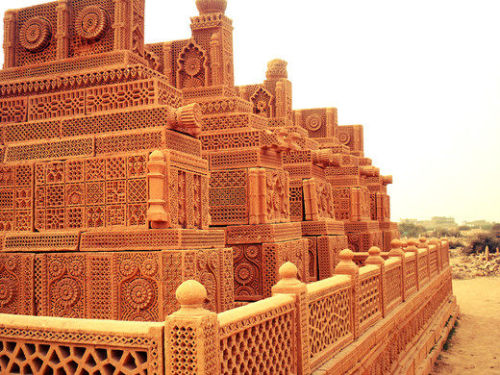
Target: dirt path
[475,346]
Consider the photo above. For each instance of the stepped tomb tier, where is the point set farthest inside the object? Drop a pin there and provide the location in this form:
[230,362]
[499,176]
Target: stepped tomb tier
[127,168]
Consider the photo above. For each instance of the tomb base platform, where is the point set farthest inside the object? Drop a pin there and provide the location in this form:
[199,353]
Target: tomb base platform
[118,285]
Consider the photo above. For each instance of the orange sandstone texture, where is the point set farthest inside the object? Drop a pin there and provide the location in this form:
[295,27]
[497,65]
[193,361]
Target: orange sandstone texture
[128,168]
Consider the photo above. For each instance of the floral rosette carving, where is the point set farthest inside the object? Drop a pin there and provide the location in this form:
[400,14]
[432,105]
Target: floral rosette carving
[344,138]
[6,292]
[91,23]
[35,34]
[313,122]
[11,264]
[244,273]
[76,269]
[128,268]
[149,267]
[67,292]
[139,294]
[252,252]
[56,268]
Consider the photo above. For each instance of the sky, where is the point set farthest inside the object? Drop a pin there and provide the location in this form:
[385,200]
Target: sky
[423,77]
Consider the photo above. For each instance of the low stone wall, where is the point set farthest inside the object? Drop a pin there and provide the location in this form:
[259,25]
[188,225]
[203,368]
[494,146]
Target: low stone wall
[388,316]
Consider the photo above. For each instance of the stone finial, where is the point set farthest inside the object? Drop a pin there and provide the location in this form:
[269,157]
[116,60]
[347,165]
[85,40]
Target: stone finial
[404,243]
[346,265]
[374,256]
[288,279]
[422,243]
[211,6]
[277,69]
[412,242]
[191,294]
[288,271]
[396,248]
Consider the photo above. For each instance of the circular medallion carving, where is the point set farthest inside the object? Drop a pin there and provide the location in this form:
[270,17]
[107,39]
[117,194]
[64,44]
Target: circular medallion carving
[313,122]
[139,294]
[6,292]
[261,106]
[252,252]
[10,264]
[56,268]
[35,34]
[344,138]
[237,252]
[149,267]
[67,292]
[244,273]
[192,66]
[91,23]
[128,268]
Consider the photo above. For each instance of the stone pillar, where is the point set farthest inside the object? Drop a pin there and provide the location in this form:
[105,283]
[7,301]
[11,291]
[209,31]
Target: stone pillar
[289,284]
[374,258]
[216,60]
[424,245]
[437,244]
[414,249]
[9,39]
[120,26]
[62,35]
[157,214]
[192,334]
[397,252]
[346,266]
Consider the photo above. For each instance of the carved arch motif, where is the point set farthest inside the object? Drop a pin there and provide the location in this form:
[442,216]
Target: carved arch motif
[261,100]
[192,70]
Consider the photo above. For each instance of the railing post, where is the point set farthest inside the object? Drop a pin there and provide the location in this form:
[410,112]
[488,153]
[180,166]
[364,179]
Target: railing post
[397,252]
[374,258]
[346,266]
[192,334]
[446,251]
[411,248]
[290,284]
[424,245]
[437,244]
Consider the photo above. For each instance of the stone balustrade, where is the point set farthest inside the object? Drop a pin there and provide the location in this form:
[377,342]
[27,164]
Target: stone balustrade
[325,327]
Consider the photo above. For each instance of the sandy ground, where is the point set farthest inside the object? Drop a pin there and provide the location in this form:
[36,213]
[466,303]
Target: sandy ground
[475,346]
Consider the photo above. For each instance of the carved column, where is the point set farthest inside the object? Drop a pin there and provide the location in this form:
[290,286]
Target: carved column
[168,68]
[157,213]
[62,34]
[262,186]
[346,266]
[216,59]
[289,284]
[120,25]
[9,39]
[374,258]
[253,196]
[310,199]
[192,334]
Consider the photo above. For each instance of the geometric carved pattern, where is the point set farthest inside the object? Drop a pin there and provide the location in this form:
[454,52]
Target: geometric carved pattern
[90,193]
[269,334]
[330,320]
